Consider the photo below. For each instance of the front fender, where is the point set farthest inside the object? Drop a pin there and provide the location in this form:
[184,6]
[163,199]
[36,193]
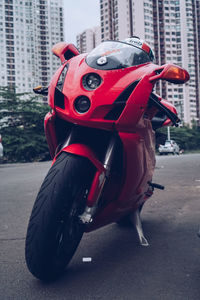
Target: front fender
[100,175]
[50,133]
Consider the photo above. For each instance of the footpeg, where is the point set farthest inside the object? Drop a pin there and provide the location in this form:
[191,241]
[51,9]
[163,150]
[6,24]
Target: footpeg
[156,186]
[136,221]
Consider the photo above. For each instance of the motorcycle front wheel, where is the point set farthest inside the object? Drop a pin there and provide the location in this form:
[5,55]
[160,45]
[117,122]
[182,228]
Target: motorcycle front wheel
[54,229]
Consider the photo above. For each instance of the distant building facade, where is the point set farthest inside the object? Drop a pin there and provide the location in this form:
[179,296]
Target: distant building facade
[28,30]
[172,29]
[177,40]
[88,39]
[124,18]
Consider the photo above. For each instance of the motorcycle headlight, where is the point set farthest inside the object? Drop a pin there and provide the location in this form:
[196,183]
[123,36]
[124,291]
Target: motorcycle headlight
[91,81]
[82,104]
[61,79]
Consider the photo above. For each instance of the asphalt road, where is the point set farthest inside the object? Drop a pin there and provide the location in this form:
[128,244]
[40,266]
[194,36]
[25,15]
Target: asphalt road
[120,268]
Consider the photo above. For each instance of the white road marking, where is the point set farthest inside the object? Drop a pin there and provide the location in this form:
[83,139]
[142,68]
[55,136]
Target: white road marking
[87,259]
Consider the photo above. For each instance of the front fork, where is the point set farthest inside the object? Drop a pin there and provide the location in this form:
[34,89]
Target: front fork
[102,172]
[95,193]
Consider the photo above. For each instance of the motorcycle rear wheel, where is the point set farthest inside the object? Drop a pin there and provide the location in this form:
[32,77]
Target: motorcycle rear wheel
[54,229]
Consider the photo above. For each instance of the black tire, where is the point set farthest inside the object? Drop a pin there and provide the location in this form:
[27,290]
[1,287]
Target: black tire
[54,230]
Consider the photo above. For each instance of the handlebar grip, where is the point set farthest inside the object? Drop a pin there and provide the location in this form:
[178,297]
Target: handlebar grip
[172,116]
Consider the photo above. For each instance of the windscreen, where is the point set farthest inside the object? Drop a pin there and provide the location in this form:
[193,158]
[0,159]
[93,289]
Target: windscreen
[111,55]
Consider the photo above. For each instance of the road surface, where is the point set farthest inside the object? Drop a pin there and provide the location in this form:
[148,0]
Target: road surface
[119,268]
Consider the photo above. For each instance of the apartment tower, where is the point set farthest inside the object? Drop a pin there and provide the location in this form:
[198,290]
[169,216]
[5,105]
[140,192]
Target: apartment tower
[88,39]
[28,30]
[172,29]
[176,39]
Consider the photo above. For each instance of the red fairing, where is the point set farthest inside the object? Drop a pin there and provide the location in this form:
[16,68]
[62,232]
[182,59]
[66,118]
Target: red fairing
[52,86]
[135,106]
[139,163]
[103,98]
[118,105]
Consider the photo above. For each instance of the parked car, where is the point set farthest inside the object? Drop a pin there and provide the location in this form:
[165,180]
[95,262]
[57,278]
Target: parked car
[170,146]
[1,147]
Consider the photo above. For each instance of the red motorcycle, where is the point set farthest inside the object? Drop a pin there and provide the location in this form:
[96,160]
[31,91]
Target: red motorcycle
[101,136]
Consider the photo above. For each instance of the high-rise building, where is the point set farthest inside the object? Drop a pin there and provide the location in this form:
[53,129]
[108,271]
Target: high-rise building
[172,29]
[88,39]
[28,30]
[177,40]
[124,18]
[97,35]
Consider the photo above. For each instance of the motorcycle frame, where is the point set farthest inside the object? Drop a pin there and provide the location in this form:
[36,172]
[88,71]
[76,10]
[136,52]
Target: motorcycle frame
[133,129]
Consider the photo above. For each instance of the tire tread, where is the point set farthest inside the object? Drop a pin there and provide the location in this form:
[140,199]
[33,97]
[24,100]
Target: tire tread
[62,180]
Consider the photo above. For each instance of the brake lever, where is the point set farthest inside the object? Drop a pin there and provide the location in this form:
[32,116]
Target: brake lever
[172,116]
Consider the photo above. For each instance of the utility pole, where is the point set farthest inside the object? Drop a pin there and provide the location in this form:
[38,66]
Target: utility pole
[168,133]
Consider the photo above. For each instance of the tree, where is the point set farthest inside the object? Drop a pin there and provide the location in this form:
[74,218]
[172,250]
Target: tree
[187,138]
[21,126]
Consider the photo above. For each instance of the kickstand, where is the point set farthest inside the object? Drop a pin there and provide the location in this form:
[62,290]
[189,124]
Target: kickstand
[136,221]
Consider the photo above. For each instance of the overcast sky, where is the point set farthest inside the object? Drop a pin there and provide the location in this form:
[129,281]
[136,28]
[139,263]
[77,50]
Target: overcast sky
[78,16]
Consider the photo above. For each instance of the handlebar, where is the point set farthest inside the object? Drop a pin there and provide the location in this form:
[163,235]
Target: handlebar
[154,100]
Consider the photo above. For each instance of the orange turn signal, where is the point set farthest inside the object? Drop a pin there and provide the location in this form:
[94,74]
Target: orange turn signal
[171,73]
[37,88]
[176,74]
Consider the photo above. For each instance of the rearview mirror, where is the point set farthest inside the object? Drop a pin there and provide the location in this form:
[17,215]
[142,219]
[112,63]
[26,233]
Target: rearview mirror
[65,51]
[171,73]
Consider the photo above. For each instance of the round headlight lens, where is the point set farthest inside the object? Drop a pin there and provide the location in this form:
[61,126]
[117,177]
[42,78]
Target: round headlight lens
[82,104]
[91,81]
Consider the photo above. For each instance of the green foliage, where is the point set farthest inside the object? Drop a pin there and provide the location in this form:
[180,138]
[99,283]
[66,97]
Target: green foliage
[22,129]
[21,126]
[187,138]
